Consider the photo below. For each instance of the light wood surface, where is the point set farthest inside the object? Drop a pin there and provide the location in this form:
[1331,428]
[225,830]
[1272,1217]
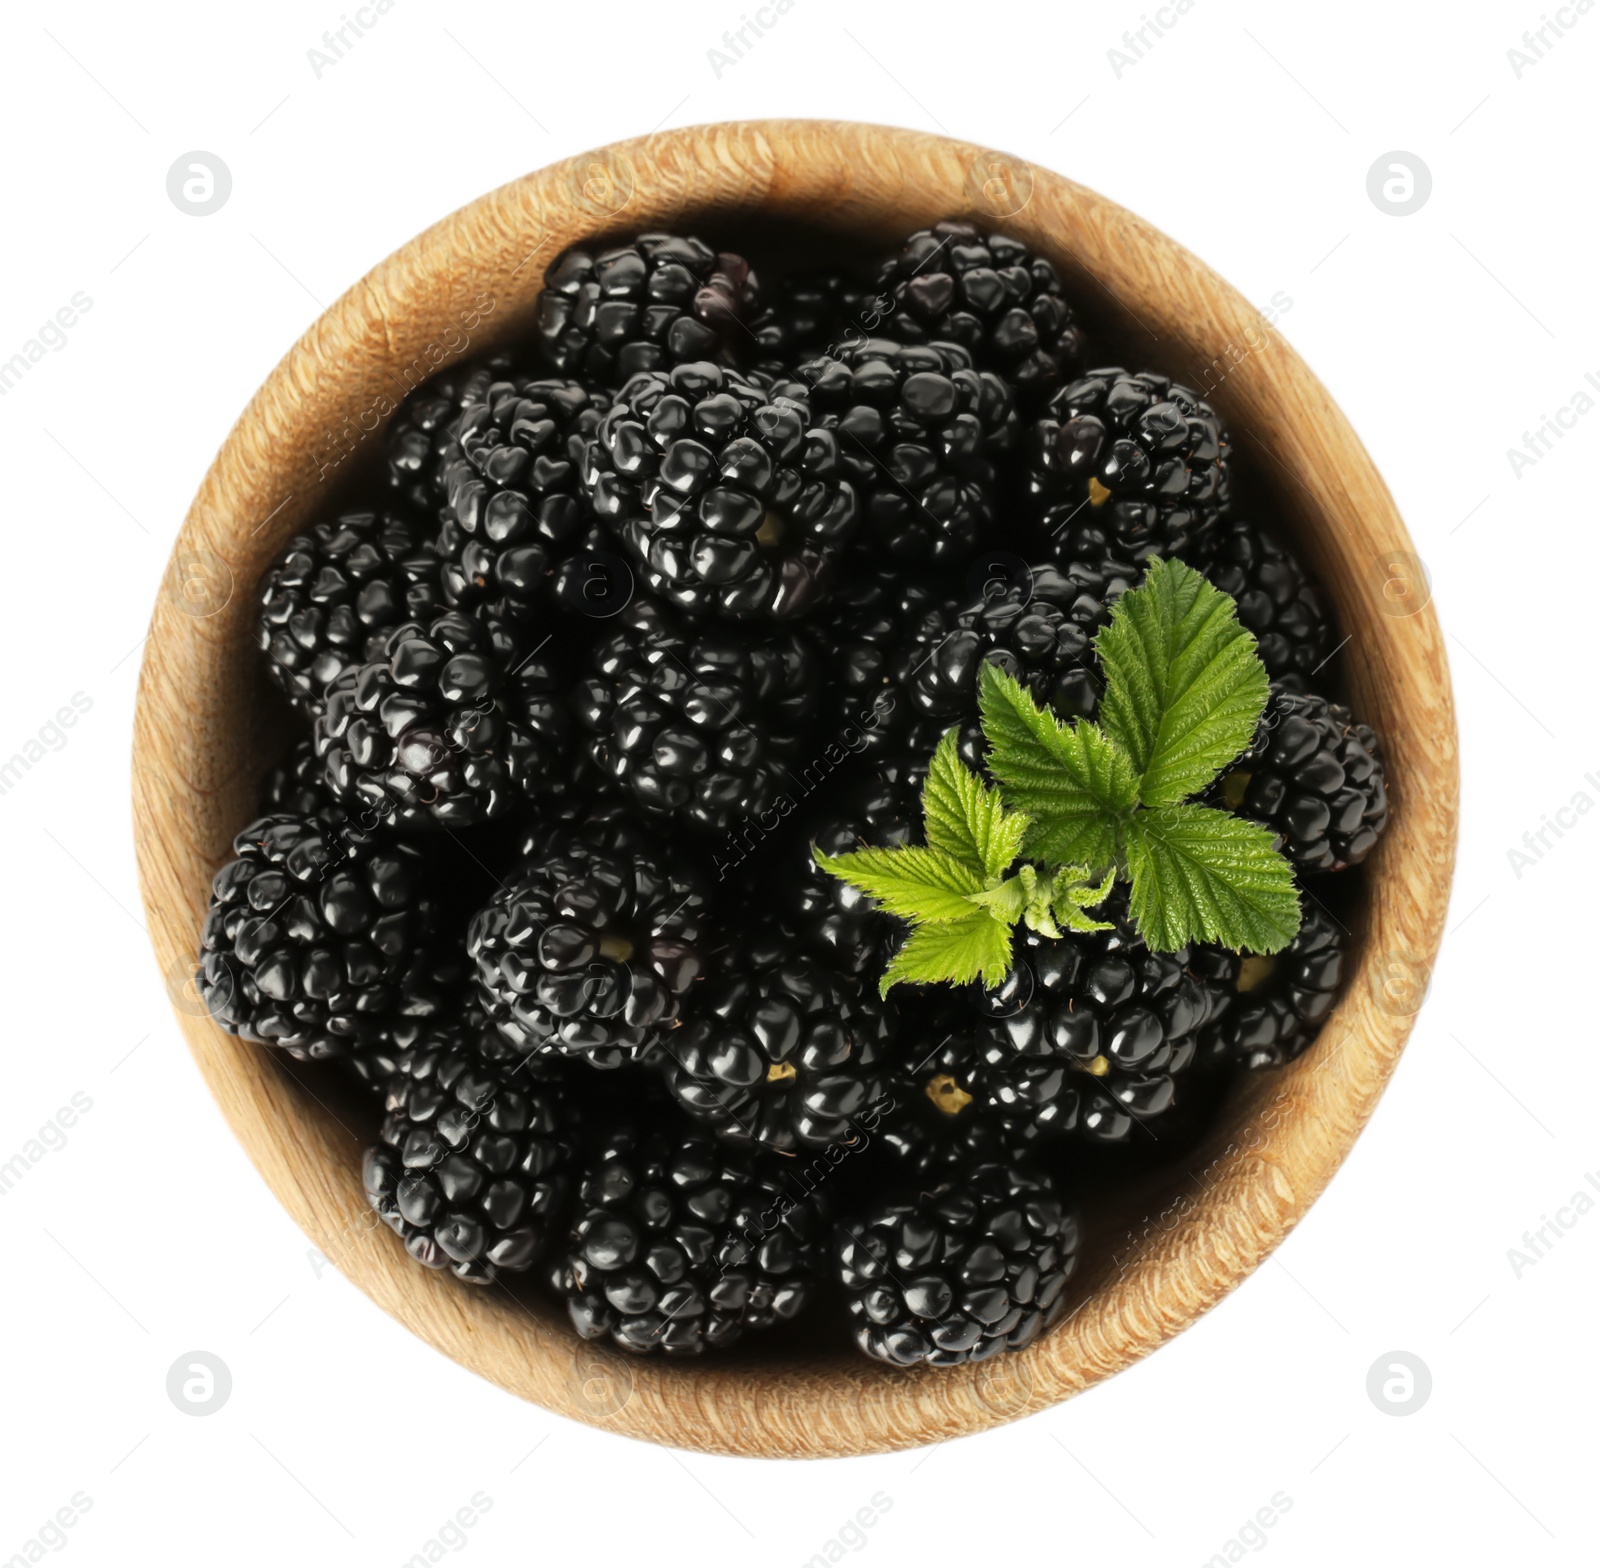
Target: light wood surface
[203,731]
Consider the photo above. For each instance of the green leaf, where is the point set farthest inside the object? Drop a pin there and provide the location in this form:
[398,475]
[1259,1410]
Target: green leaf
[1200,874]
[1071,779]
[913,882]
[1008,900]
[977,948]
[965,817]
[1070,896]
[1184,685]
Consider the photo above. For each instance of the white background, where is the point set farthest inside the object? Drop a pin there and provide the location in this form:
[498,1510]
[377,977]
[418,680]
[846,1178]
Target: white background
[1246,132]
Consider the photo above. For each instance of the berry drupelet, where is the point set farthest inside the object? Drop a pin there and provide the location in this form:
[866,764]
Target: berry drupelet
[1283,1000]
[453,725]
[977,1266]
[315,939]
[1277,603]
[780,1050]
[335,593]
[422,433]
[1315,777]
[730,500]
[588,950]
[472,1165]
[681,1244]
[991,294]
[696,726]
[917,431]
[660,301]
[1129,461]
[810,314]
[513,489]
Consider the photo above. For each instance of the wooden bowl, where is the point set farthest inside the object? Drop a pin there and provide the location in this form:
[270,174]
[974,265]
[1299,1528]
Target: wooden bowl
[205,728]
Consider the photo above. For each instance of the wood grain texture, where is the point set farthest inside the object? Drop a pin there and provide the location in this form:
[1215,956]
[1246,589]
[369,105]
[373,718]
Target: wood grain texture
[203,732]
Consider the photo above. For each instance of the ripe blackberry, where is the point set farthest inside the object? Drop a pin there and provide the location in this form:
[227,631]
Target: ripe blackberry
[696,726]
[728,497]
[589,949]
[1277,602]
[1314,776]
[297,787]
[813,313]
[659,301]
[421,433]
[1123,1021]
[513,486]
[315,938]
[953,1100]
[1282,1001]
[833,917]
[1040,629]
[335,593]
[1133,460]
[863,633]
[452,725]
[977,1266]
[917,432]
[472,1165]
[995,297]
[681,1244]
[780,1049]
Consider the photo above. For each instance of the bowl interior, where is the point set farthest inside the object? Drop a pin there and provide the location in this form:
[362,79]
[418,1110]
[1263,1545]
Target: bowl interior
[1160,1248]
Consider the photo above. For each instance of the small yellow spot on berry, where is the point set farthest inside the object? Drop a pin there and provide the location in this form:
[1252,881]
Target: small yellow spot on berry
[770,534]
[1098,494]
[1098,1066]
[1253,969]
[1234,788]
[947,1094]
[781,1072]
[617,947]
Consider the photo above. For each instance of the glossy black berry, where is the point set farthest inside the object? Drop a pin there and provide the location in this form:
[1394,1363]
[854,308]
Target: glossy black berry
[421,435]
[315,940]
[728,497]
[976,1266]
[454,724]
[334,595]
[589,949]
[1277,602]
[1129,461]
[1282,1000]
[918,433]
[683,1245]
[780,1049]
[659,301]
[1315,777]
[472,1168]
[813,313]
[513,488]
[696,726]
[989,293]
[297,787]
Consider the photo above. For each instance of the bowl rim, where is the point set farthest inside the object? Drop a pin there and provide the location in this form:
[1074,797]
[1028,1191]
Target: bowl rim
[463,285]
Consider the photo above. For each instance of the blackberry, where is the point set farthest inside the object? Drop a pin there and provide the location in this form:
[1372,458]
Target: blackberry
[727,496]
[1283,999]
[513,486]
[335,593]
[977,1266]
[422,432]
[863,633]
[953,1100]
[1277,602]
[1122,1021]
[297,786]
[696,726]
[992,295]
[660,301]
[1133,461]
[917,432]
[1315,777]
[472,1165]
[452,725]
[813,313]
[780,1049]
[315,940]
[681,1245]
[589,949]
[835,918]
[1040,628]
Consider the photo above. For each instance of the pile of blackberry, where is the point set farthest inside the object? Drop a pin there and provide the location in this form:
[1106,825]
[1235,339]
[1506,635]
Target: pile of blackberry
[621,624]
